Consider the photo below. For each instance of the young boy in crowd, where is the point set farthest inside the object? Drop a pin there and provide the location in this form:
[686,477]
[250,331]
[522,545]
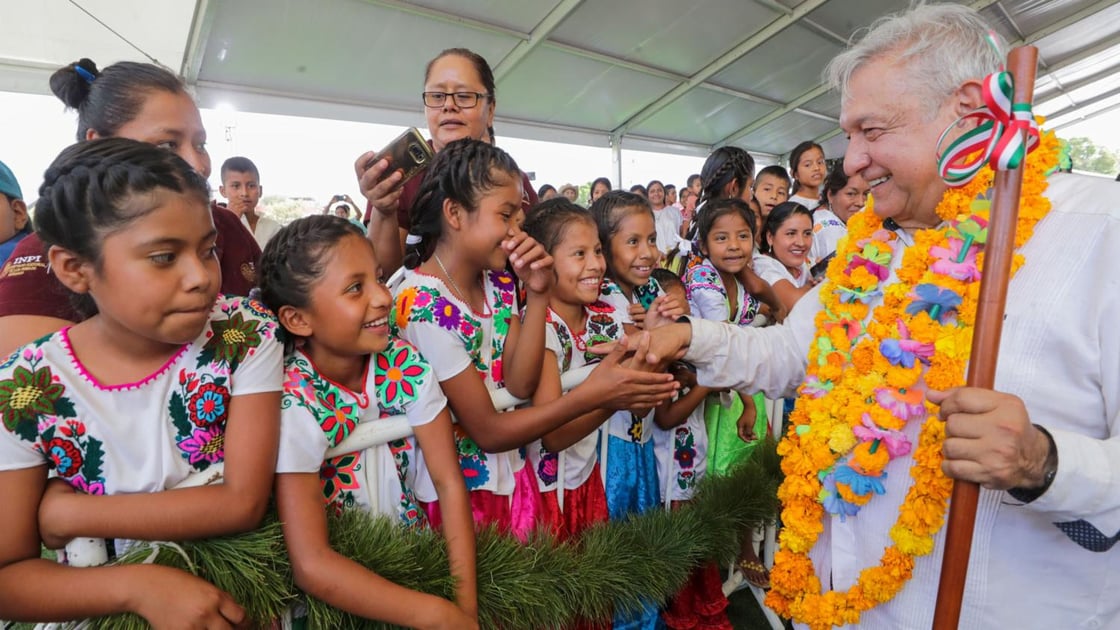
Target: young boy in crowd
[771,187]
[241,188]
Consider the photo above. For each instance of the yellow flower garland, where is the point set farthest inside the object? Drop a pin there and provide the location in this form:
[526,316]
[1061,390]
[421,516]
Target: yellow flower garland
[847,368]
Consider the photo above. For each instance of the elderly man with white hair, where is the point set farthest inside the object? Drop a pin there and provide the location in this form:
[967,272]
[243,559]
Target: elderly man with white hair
[879,347]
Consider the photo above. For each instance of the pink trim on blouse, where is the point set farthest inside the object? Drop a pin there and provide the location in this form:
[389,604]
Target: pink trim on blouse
[64,337]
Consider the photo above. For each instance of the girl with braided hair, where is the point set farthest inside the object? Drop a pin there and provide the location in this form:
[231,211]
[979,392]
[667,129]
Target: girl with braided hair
[728,173]
[157,384]
[343,368]
[457,306]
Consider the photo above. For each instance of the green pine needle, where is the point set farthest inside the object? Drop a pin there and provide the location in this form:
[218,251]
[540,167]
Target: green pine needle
[538,584]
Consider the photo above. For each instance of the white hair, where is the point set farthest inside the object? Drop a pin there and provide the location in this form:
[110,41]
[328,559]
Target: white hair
[942,45]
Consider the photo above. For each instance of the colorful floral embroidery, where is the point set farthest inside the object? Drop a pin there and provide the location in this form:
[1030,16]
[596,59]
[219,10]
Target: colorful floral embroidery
[602,328]
[564,336]
[448,314]
[336,414]
[705,277]
[474,468]
[74,455]
[684,453]
[646,293]
[208,404]
[428,305]
[236,337]
[31,393]
[257,308]
[339,474]
[398,372]
[636,428]
[199,410]
[62,422]
[548,467]
[204,446]
[64,457]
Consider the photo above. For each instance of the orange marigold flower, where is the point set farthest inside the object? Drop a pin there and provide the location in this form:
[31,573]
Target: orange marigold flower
[856,374]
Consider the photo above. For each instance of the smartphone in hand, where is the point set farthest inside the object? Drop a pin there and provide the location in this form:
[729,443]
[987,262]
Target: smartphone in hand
[409,153]
[818,270]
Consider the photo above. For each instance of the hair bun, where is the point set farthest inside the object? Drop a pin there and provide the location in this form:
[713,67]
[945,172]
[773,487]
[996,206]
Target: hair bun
[71,87]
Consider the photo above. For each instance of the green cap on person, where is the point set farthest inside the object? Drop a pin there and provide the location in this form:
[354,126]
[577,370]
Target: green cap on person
[8,184]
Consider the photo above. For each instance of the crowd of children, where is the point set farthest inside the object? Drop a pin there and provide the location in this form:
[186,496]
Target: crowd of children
[112,397]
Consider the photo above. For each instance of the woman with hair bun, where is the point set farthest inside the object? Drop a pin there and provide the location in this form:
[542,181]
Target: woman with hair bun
[142,102]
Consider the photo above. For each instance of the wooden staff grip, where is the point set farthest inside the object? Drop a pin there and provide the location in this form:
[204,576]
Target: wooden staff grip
[998,253]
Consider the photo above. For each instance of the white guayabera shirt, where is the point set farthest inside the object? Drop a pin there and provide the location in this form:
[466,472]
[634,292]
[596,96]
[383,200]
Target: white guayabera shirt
[1060,353]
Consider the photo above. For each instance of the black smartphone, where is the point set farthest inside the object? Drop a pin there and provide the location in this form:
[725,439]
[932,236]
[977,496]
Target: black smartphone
[818,270]
[409,153]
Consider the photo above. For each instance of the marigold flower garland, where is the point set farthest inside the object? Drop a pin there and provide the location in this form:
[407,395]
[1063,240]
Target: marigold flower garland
[865,383]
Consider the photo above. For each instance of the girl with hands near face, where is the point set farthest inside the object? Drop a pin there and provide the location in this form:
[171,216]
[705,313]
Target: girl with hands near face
[457,305]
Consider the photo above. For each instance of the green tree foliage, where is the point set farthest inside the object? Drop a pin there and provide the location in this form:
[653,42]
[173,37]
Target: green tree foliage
[286,209]
[1090,156]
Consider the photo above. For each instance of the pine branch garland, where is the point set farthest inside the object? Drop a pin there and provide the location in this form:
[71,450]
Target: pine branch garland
[546,584]
[539,584]
[252,567]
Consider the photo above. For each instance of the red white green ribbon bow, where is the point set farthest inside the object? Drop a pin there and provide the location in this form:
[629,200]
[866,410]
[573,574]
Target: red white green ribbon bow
[1006,134]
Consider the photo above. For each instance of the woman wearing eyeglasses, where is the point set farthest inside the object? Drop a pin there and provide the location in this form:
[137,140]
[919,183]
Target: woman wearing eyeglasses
[459,103]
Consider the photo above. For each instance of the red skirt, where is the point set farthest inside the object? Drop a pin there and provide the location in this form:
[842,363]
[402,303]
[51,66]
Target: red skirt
[583,507]
[700,604]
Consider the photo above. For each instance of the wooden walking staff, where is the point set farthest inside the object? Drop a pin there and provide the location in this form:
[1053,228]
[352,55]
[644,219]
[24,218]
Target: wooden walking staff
[998,252]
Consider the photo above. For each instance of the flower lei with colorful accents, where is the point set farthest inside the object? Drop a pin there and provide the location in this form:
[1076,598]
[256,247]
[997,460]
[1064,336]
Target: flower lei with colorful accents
[864,383]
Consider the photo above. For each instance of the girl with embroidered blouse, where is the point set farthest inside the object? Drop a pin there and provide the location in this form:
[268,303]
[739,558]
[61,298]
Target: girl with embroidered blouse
[566,460]
[628,235]
[734,420]
[456,304]
[629,240]
[681,441]
[728,173]
[343,368]
[160,384]
[787,237]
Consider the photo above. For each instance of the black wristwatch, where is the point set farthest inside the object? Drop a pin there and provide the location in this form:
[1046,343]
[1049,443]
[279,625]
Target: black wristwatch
[1026,495]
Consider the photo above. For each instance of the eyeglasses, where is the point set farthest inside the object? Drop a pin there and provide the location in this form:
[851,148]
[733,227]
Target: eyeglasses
[463,100]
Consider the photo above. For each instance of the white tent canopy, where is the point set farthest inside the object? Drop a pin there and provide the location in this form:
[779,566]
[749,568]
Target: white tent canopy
[655,75]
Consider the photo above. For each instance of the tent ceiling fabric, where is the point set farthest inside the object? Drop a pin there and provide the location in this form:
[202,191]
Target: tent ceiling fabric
[659,74]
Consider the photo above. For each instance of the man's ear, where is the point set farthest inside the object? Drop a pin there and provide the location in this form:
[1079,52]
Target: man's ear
[968,97]
[19,209]
[295,321]
[222,191]
[72,270]
[91,134]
